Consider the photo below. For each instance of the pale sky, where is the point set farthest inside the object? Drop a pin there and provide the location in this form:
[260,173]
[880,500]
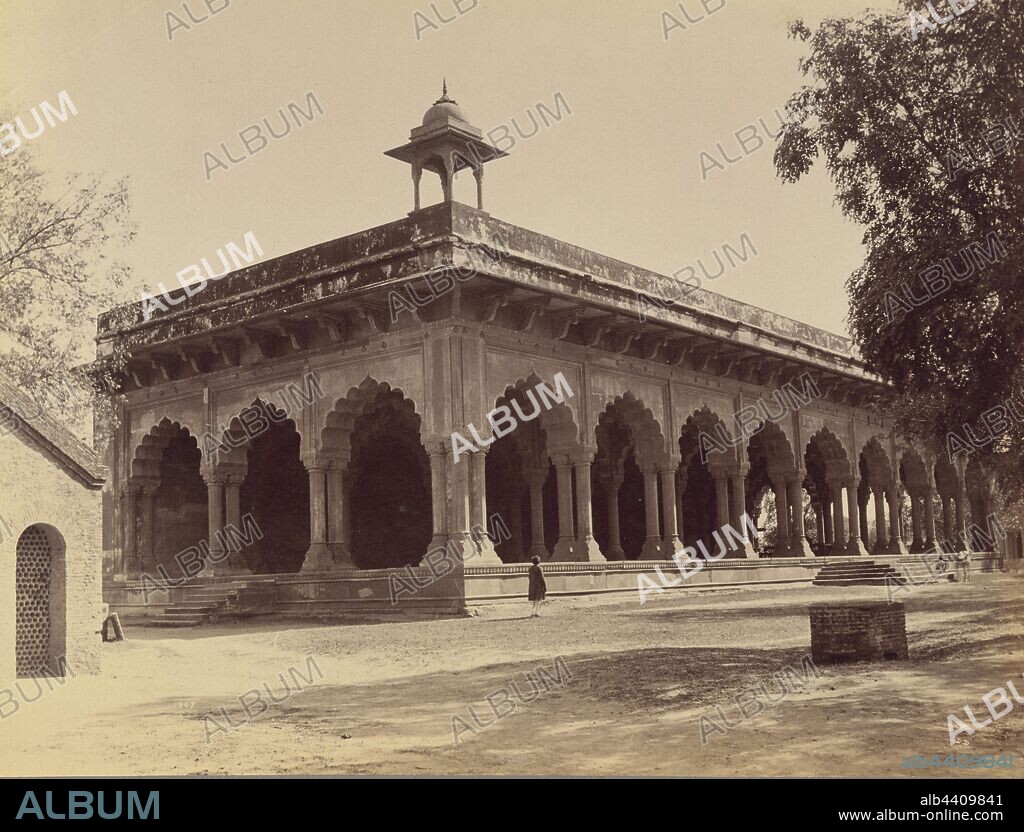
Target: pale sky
[621,175]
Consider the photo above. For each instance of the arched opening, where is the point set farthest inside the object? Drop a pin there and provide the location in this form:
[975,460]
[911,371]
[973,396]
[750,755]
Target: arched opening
[948,494]
[918,507]
[879,493]
[828,476]
[702,461]
[40,581]
[172,506]
[275,489]
[625,479]
[180,503]
[382,514]
[772,467]
[521,482]
[389,477]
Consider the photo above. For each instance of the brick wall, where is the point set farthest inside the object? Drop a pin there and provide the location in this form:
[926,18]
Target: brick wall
[858,631]
[34,489]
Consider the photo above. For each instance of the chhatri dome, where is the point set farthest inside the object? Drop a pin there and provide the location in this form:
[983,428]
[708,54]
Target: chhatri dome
[443,144]
[443,108]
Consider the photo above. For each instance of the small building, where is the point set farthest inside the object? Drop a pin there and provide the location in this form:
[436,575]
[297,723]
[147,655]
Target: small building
[50,544]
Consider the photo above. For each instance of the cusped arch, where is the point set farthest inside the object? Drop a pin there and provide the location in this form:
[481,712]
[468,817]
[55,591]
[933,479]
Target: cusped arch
[340,422]
[877,464]
[645,430]
[707,422]
[777,448]
[913,470]
[251,421]
[149,451]
[557,420]
[833,453]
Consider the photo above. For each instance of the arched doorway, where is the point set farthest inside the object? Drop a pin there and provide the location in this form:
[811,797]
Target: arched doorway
[379,502]
[630,460]
[40,582]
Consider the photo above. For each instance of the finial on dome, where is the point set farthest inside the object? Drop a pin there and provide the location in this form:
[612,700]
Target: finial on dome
[444,99]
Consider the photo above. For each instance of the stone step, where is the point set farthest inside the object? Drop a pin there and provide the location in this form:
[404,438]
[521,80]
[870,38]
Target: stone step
[161,621]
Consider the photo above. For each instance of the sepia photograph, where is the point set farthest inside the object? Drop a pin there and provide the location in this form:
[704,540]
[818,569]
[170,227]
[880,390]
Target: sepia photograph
[446,389]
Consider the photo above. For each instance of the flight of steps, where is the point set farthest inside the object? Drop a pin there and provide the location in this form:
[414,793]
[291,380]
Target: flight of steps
[857,573]
[206,603]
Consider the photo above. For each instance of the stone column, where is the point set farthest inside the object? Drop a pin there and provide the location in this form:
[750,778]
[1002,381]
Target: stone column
[680,489]
[896,544]
[318,556]
[721,499]
[916,524]
[515,518]
[856,546]
[782,516]
[840,542]
[961,540]
[739,509]
[586,546]
[929,520]
[147,550]
[651,549]
[438,453]
[819,525]
[612,485]
[478,510]
[826,521]
[670,543]
[129,535]
[537,545]
[862,516]
[218,562]
[337,517]
[565,546]
[881,539]
[460,536]
[798,545]
[233,517]
[947,520]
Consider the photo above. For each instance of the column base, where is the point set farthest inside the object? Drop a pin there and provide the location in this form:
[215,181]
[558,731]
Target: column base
[565,549]
[615,552]
[486,555]
[217,565]
[746,550]
[587,551]
[341,558]
[856,547]
[783,549]
[801,548]
[463,547]
[897,548]
[669,547]
[318,559]
[236,564]
[538,550]
[916,547]
[652,549]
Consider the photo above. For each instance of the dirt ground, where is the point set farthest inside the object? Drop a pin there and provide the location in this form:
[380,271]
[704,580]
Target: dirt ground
[381,697]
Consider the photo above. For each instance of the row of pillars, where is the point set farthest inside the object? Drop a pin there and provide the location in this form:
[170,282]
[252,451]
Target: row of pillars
[889,533]
[459,515]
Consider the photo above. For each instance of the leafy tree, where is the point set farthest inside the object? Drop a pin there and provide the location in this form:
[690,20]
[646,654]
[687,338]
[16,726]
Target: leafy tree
[921,129]
[57,271]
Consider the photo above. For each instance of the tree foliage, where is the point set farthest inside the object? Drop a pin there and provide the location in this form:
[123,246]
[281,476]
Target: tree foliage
[923,136]
[58,269]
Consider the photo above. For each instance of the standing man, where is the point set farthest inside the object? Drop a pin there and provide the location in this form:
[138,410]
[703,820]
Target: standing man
[538,588]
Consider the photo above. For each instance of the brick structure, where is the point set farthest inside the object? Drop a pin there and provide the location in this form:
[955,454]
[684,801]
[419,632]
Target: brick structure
[50,545]
[851,631]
